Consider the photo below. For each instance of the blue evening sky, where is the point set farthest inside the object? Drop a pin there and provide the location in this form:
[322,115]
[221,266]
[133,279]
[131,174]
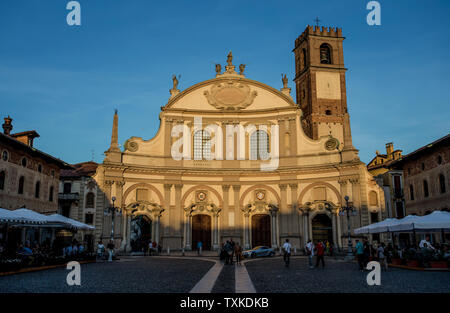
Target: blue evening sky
[65,81]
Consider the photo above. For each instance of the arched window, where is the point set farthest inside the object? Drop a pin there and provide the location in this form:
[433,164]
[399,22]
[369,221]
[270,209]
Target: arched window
[304,58]
[425,189]
[441,183]
[325,54]
[90,200]
[327,112]
[411,192]
[2,180]
[50,194]
[202,145]
[37,189]
[259,145]
[373,199]
[24,162]
[21,185]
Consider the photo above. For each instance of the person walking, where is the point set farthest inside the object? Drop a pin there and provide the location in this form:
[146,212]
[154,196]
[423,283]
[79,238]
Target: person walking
[199,247]
[287,252]
[238,253]
[100,250]
[360,254]
[110,247]
[150,248]
[232,243]
[229,252]
[320,249]
[382,256]
[310,253]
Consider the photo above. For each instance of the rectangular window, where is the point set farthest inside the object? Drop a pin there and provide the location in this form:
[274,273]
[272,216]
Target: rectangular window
[89,218]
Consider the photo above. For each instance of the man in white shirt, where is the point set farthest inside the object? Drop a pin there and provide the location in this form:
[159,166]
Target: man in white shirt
[426,241]
[310,253]
[287,252]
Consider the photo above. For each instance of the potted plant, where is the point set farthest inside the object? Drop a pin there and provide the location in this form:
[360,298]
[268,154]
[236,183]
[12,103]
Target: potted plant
[411,258]
[438,260]
[396,260]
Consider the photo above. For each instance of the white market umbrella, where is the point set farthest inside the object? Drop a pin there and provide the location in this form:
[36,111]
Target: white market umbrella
[57,218]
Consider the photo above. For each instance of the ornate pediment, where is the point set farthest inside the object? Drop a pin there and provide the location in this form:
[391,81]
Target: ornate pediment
[230,95]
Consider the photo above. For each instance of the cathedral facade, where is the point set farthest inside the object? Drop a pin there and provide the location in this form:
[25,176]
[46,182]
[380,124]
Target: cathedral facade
[236,158]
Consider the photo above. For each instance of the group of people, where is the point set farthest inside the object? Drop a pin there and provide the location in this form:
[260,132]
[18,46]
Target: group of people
[230,251]
[101,251]
[384,253]
[74,249]
[154,248]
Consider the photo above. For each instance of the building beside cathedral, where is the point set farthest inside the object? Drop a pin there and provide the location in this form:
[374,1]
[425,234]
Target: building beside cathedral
[260,167]
[387,174]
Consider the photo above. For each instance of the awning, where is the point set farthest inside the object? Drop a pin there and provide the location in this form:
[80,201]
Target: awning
[26,217]
[380,227]
[57,218]
[438,220]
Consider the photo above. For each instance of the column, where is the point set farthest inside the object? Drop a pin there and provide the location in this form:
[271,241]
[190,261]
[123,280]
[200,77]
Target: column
[178,210]
[237,219]
[284,220]
[273,214]
[339,230]
[306,224]
[169,215]
[120,204]
[128,238]
[293,214]
[246,211]
[215,212]
[187,229]
[333,223]
[226,215]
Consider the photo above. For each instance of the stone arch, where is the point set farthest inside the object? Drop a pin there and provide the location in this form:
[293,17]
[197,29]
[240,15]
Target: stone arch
[246,192]
[193,188]
[145,185]
[310,186]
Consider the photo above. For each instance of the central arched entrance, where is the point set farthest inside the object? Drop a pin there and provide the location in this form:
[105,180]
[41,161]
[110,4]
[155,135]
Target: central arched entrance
[140,233]
[322,228]
[261,230]
[201,231]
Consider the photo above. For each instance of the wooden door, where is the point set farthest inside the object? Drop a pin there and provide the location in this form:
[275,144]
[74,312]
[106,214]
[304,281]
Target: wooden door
[201,231]
[261,230]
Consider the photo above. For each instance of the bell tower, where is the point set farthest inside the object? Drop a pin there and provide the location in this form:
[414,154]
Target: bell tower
[320,84]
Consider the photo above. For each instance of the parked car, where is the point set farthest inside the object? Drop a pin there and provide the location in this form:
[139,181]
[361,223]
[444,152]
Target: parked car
[258,251]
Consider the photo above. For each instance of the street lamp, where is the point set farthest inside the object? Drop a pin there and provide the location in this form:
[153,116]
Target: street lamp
[112,211]
[347,210]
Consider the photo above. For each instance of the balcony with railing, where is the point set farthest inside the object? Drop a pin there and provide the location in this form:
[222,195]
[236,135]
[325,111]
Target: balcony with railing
[69,196]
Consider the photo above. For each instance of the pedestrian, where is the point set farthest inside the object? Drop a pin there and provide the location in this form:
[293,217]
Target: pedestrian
[232,243]
[159,248]
[310,253]
[100,250]
[238,253]
[110,247]
[382,257]
[360,254]
[229,252]
[286,252]
[366,252]
[320,251]
[150,248]
[199,247]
